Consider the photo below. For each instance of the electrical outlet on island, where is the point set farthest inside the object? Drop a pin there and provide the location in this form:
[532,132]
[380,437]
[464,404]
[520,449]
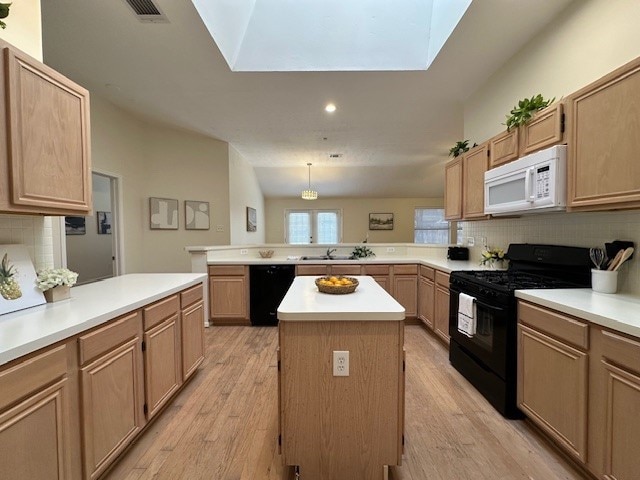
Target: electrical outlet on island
[340,363]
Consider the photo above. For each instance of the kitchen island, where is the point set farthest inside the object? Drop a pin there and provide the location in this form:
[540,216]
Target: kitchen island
[341,380]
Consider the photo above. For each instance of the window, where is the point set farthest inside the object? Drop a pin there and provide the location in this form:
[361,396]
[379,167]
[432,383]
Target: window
[313,226]
[430,226]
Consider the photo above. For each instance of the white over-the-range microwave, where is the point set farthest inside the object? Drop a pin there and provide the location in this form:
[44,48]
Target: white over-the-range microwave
[535,183]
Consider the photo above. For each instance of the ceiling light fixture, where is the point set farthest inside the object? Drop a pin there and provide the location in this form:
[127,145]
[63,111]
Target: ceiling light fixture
[330,108]
[309,194]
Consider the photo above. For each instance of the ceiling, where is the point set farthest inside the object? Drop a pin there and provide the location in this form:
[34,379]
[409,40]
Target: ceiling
[393,128]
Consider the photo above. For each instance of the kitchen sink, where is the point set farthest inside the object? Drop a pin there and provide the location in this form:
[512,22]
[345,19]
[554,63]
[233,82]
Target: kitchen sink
[328,257]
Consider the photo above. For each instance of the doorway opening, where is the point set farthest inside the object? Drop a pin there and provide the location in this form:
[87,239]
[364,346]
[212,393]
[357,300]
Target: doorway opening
[93,242]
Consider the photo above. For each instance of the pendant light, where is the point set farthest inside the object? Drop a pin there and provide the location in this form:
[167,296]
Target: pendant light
[309,194]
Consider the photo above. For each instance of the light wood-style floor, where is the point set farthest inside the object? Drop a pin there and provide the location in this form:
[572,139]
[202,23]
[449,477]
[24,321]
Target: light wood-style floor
[223,425]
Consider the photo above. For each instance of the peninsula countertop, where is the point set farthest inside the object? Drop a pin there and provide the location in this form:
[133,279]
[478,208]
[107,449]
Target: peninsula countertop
[90,305]
[369,302]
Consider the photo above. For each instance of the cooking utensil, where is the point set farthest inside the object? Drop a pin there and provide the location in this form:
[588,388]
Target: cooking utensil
[623,258]
[615,260]
[597,257]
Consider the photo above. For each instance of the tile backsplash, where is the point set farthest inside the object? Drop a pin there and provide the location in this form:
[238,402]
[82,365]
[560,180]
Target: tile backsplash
[35,232]
[587,229]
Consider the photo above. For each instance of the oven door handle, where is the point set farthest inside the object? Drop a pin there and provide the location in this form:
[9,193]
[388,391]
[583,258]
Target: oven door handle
[490,307]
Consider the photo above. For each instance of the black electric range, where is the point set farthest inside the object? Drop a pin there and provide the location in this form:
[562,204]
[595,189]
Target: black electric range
[488,358]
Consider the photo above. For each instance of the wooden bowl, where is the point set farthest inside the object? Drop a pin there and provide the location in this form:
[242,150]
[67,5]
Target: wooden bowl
[337,289]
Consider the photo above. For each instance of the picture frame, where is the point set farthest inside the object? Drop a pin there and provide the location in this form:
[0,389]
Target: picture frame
[104,221]
[75,226]
[381,221]
[163,213]
[196,215]
[20,291]
[252,220]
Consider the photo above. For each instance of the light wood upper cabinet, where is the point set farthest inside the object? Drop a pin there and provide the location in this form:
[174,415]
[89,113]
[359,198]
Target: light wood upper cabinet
[34,418]
[545,129]
[503,147]
[475,163]
[453,189]
[46,168]
[604,141]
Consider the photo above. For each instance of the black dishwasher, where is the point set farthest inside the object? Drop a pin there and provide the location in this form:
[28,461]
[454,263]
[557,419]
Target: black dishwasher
[268,286]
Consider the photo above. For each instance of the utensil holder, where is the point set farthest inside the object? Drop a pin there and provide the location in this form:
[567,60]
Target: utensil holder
[604,281]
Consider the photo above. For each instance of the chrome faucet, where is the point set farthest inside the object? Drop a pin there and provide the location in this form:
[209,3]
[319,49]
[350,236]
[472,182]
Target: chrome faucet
[330,251]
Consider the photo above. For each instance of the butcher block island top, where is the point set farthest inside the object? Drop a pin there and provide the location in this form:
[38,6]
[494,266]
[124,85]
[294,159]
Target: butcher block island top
[349,426]
[369,302]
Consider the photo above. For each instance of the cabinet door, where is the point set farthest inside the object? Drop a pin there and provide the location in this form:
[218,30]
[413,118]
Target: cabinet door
[34,440]
[192,339]
[426,300]
[552,388]
[545,129]
[441,323]
[453,189]
[112,400]
[383,281]
[161,364]
[474,165]
[603,142]
[49,148]
[228,297]
[503,148]
[405,291]
[315,270]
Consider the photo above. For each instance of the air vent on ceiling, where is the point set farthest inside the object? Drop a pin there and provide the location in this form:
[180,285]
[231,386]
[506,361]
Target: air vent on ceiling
[335,155]
[147,11]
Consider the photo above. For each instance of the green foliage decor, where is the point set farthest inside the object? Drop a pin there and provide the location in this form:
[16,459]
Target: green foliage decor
[459,148]
[361,251]
[4,13]
[522,113]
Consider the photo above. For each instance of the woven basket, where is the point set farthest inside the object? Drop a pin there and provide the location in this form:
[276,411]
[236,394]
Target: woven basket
[265,253]
[337,289]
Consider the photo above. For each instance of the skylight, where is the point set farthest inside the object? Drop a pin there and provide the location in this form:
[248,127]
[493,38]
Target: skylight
[330,35]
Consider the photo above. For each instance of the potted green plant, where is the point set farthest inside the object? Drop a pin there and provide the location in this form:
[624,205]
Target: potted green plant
[4,13]
[524,110]
[362,252]
[459,148]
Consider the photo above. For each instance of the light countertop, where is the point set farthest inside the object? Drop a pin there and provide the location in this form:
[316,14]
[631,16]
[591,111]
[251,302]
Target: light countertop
[90,305]
[619,312]
[370,301]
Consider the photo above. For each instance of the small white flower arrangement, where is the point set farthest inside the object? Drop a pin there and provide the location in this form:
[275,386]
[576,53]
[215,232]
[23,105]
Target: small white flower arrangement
[53,277]
[492,255]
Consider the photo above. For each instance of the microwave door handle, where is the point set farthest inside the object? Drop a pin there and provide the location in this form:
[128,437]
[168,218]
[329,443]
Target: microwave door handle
[528,185]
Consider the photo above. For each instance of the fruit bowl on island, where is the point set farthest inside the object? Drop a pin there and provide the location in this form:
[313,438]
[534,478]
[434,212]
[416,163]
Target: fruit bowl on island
[337,285]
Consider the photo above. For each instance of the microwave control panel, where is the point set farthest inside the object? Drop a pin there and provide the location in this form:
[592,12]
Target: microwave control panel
[543,178]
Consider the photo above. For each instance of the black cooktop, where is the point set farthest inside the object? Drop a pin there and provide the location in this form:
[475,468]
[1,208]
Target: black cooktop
[506,280]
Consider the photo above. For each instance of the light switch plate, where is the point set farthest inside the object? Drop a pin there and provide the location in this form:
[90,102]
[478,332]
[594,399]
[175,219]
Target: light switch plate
[471,241]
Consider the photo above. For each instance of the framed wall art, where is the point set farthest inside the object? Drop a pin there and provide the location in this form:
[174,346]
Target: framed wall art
[163,213]
[196,215]
[75,226]
[104,223]
[18,288]
[381,221]
[252,220]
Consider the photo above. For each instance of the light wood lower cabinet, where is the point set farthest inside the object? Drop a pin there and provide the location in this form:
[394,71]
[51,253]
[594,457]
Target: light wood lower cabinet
[405,288]
[381,274]
[441,313]
[229,294]
[35,418]
[426,301]
[192,334]
[111,385]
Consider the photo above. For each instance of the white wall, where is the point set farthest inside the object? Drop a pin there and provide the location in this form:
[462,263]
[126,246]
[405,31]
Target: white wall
[355,216]
[24,26]
[155,161]
[585,42]
[244,191]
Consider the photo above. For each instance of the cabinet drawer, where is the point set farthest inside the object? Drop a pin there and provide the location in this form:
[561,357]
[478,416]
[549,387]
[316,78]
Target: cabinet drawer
[621,350]
[106,338]
[556,324]
[226,270]
[311,270]
[345,269]
[442,279]
[427,272]
[30,375]
[375,270]
[405,269]
[159,311]
[190,296]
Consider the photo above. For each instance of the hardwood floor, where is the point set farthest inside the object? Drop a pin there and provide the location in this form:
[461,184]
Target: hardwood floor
[223,425]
